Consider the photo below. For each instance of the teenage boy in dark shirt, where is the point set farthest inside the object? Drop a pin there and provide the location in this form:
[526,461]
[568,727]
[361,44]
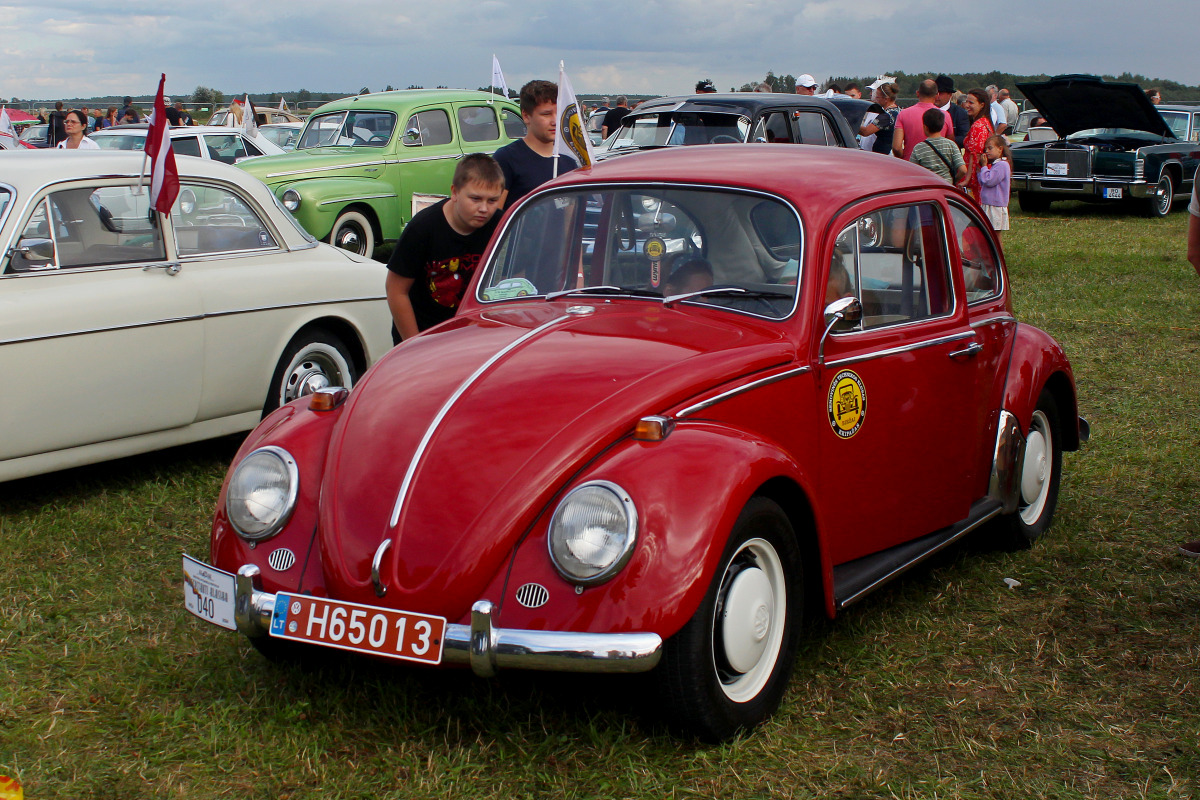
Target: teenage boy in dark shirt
[529,162]
[439,249]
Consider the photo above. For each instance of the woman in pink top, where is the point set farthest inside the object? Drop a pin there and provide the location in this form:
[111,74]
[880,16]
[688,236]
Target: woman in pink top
[979,108]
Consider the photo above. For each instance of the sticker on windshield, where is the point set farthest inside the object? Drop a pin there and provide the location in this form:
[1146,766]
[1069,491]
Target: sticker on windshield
[506,290]
[654,249]
[847,403]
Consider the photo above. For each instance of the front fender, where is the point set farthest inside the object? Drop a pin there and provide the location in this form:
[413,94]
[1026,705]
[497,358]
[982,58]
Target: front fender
[688,490]
[1038,362]
[323,199]
[305,434]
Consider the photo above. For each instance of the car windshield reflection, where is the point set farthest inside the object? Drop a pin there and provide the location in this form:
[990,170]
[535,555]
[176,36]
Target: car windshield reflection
[680,128]
[734,250]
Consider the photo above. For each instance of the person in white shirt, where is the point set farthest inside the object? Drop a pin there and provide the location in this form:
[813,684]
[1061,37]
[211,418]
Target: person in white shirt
[76,124]
[999,118]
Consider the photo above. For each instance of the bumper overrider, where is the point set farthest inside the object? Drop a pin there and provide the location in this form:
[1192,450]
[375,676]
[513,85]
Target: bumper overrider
[483,646]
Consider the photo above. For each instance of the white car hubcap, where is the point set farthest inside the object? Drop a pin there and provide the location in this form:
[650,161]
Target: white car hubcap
[749,608]
[749,631]
[1036,473]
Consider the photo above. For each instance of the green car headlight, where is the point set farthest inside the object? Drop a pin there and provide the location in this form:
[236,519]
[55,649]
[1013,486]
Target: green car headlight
[592,532]
[291,200]
[262,493]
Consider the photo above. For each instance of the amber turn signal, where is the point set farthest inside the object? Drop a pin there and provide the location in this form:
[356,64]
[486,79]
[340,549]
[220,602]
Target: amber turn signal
[328,399]
[653,429]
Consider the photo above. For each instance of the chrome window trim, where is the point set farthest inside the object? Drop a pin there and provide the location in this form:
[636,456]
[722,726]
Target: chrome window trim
[190,318]
[12,191]
[712,401]
[376,163]
[992,321]
[355,198]
[584,188]
[904,348]
[411,472]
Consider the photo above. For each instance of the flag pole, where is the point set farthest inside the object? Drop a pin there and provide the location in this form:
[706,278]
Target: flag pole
[554,154]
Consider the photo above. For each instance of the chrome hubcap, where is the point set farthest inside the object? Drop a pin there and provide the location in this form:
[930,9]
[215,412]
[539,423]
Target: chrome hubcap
[348,239]
[309,373]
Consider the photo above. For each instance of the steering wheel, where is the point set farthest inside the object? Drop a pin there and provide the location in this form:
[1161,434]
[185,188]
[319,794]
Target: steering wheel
[724,138]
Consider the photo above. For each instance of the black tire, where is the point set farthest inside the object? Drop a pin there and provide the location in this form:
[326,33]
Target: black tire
[1033,203]
[1039,479]
[353,232]
[1158,204]
[710,689]
[314,359]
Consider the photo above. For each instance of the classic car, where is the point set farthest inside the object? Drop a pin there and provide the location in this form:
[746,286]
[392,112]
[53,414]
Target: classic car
[823,388]
[1112,144]
[735,119]
[37,135]
[11,142]
[364,165]
[1025,120]
[130,331]
[227,145]
[262,116]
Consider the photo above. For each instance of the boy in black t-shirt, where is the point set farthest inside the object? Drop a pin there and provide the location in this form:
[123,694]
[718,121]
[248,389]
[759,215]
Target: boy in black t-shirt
[439,249]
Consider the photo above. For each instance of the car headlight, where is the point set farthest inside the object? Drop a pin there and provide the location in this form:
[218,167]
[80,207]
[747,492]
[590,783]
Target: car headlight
[291,200]
[592,532]
[262,493]
[187,202]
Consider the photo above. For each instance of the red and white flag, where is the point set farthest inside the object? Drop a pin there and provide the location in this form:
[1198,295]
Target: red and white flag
[164,177]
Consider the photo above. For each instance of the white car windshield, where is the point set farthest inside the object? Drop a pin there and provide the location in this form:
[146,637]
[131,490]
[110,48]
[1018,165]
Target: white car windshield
[737,250]
[680,128]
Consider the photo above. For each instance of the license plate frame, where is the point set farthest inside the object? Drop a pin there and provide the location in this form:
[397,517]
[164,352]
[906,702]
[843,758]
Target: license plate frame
[208,593]
[359,628]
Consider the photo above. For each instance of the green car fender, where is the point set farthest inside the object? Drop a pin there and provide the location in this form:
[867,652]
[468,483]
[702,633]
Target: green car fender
[322,200]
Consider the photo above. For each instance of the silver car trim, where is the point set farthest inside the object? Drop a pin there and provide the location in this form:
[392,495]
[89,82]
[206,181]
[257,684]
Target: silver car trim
[445,409]
[712,401]
[192,318]
[980,323]
[481,645]
[384,162]
[907,348]
[358,197]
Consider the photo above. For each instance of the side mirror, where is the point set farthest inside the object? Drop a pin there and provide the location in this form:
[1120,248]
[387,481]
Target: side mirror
[35,249]
[843,310]
[412,135]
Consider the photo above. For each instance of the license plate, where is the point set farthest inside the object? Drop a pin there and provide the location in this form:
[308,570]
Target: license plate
[1056,170]
[1114,194]
[360,628]
[208,593]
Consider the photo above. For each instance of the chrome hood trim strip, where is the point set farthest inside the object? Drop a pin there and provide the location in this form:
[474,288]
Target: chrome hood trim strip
[451,402]
[712,401]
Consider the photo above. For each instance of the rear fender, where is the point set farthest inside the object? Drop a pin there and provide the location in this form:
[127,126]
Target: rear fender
[688,490]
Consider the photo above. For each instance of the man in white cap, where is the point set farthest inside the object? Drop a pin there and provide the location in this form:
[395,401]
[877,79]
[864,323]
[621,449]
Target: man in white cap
[805,84]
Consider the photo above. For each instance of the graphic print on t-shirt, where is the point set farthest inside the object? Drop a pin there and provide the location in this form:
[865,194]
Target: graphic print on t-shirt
[448,279]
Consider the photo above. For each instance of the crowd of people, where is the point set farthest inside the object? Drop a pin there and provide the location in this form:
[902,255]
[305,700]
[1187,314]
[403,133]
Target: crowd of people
[88,120]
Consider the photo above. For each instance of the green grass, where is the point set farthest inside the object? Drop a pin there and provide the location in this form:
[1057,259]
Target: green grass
[1081,683]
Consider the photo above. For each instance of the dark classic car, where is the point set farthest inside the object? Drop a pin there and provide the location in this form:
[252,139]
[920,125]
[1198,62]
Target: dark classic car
[738,118]
[1115,145]
[821,387]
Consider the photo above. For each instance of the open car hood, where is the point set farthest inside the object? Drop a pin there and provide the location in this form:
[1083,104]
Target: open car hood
[1073,103]
[477,424]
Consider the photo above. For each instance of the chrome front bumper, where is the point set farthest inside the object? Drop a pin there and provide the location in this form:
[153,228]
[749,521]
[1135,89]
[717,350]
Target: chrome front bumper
[1082,186]
[484,647]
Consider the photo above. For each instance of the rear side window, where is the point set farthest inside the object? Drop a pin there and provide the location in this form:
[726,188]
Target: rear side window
[771,128]
[478,124]
[894,261]
[980,264]
[813,128]
[514,126]
[185,146]
[428,128]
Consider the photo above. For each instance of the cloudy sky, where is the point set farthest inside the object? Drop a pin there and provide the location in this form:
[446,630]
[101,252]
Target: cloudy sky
[72,48]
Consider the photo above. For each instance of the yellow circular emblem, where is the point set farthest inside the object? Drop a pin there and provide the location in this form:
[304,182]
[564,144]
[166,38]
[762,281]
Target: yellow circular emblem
[572,127]
[847,403]
[655,247]
[10,789]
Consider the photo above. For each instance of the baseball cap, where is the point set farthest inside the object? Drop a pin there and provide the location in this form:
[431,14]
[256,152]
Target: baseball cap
[166,101]
[806,80]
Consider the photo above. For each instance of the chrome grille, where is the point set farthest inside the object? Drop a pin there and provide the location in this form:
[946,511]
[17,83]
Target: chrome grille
[1067,163]
[281,560]
[533,595]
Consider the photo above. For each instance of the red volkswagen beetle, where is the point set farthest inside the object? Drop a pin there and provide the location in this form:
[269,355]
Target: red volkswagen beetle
[692,396]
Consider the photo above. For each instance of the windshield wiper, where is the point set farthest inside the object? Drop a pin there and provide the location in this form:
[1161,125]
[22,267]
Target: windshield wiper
[728,290]
[605,290]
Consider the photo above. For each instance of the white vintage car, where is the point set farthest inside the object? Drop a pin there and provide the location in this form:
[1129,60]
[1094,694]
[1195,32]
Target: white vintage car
[123,330]
[203,141]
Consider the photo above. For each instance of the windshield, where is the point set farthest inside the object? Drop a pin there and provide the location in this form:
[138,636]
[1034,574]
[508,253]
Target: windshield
[679,127]
[738,250]
[348,128]
[121,141]
[1178,121]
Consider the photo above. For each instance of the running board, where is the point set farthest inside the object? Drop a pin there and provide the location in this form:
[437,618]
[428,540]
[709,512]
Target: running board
[856,579]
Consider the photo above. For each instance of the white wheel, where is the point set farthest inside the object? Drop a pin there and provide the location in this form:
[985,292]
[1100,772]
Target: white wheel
[352,231]
[749,620]
[1041,471]
[315,359]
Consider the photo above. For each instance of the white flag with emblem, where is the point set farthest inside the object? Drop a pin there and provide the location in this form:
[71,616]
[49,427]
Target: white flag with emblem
[570,138]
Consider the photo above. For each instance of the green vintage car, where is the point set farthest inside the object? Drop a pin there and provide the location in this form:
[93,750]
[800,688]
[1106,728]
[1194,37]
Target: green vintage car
[364,165]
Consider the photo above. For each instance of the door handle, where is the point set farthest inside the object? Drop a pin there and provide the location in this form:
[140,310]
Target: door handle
[171,268]
[968,351]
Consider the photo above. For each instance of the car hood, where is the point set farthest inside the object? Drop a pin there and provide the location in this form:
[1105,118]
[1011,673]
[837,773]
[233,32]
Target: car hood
[1072,103]
[328,162]
[498,409]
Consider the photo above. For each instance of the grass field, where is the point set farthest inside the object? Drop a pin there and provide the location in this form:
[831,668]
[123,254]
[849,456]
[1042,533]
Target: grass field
[1080,683]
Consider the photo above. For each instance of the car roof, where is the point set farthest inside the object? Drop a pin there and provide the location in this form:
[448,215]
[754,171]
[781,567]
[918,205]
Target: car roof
[176,130]
[43,166]
[817,180]
[406,98]
[747,103]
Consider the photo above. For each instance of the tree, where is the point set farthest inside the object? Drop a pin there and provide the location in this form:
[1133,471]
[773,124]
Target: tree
[303,96]
[205,95]
[389,88]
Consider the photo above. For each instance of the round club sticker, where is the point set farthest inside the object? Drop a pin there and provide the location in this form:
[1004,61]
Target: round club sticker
[847,403]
